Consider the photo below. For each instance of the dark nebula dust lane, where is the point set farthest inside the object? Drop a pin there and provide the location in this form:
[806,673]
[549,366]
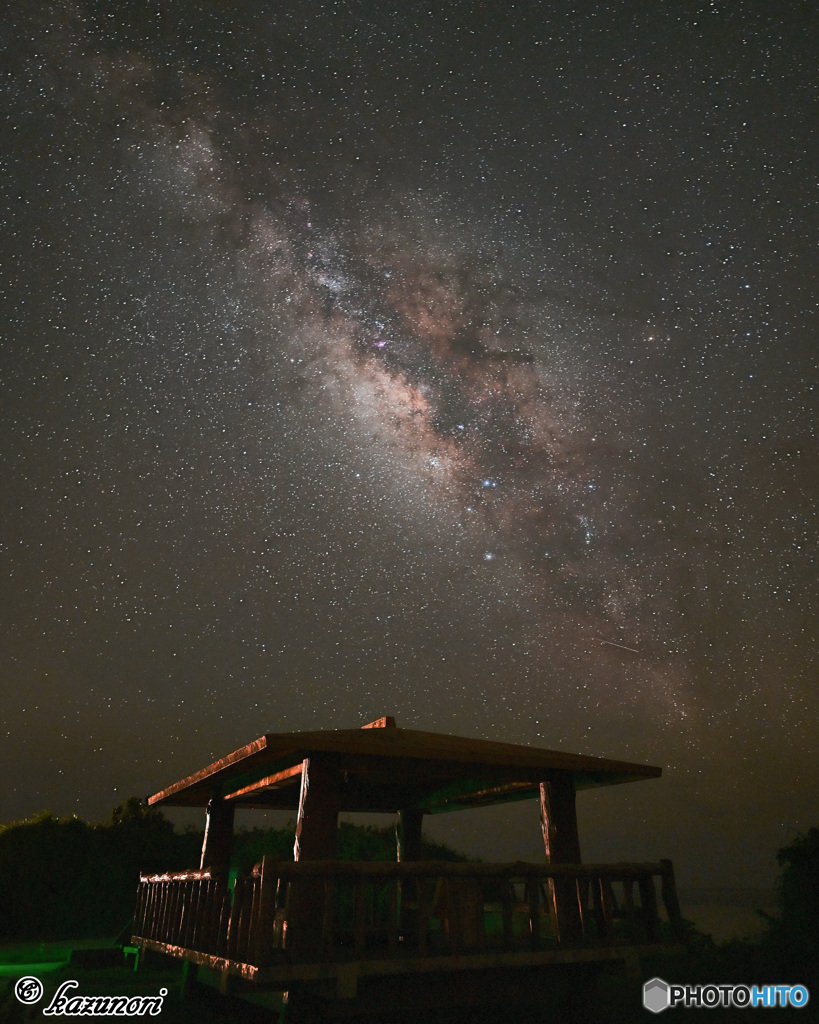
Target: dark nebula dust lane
[454,364]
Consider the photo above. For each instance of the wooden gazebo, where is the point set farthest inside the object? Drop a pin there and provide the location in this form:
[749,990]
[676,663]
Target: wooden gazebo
[320,924]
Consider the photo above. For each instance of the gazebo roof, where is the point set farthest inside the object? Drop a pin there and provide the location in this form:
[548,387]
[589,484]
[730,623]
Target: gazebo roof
[385,768]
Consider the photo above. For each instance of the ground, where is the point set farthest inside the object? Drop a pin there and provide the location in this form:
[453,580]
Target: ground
[108,972]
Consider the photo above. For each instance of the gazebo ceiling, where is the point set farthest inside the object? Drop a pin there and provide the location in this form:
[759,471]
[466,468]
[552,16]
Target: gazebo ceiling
[383,768]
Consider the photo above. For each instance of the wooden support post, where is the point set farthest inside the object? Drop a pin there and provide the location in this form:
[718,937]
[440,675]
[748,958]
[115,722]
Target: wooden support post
[408,848]
[319,804]
[408,835]
[316,839]
[558,820]
[218,844]
[648,904]
[670,901]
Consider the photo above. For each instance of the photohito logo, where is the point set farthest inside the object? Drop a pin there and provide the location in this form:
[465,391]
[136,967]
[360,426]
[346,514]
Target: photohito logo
[28,990]
[659,995]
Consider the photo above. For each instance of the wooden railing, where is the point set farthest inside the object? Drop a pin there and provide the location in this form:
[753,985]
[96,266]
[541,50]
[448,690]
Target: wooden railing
[324,911]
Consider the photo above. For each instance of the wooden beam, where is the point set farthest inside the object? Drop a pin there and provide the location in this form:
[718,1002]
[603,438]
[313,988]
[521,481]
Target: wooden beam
[392,768]
[289,869]
[476,792]
[205,775]
[275,781]
[218,843]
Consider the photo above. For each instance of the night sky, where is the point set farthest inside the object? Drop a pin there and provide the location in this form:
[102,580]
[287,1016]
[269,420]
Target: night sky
[456,362]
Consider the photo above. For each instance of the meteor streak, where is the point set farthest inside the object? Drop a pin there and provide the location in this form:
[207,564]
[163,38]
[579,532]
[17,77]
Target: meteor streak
[622,647]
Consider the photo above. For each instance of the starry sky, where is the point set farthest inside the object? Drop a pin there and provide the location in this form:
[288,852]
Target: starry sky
[456,362]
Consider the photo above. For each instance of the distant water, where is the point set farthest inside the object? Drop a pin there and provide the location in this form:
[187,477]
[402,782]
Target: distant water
[726,914]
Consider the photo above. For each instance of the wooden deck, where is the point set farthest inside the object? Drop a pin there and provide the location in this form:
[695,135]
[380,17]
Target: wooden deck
[333,921]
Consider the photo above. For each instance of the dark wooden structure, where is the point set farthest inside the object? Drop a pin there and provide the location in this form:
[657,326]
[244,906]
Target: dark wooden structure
[318,924]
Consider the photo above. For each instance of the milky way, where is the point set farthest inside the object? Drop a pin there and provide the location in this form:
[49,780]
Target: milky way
[362,362]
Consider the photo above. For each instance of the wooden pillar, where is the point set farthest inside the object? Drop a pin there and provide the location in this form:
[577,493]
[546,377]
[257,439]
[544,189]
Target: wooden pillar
[408,835]
[316,839]
[411,892]
[670,901]
[218,844]
[319,804]
[558,820]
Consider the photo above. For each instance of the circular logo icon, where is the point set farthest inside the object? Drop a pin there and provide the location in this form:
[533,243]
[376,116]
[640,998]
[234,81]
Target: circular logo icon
[28,990]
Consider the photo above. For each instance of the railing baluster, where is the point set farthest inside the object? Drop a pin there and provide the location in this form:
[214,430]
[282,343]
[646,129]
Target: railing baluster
[150,910]
[473,913]
[506,909]
[629,909]
[246,918]
[583,903]
[670,901]
[392,914]
[235,922]
[224,921]
[609,901]
[329,910]
[648,901]
[360,920]
[164,911]
[212,919]
[193,919]
[138,928]
[190,919]
[177,912]
[153,910]
[601,897]
[265,919]
[211,922]
[249,921]
[423,913]
[534,912]
[169,924]
[159,909]
[282,910]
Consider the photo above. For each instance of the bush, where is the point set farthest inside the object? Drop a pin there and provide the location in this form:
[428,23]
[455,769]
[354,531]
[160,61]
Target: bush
[65,878]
